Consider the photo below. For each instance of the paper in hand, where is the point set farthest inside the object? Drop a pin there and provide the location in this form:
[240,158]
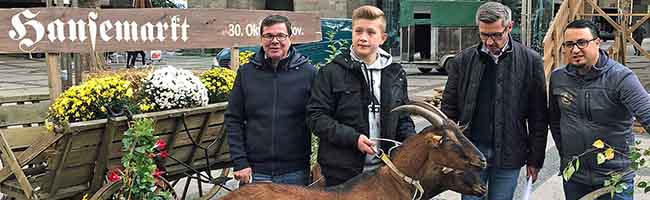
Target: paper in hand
[528,189]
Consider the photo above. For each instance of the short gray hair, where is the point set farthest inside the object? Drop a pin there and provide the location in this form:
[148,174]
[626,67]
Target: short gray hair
[491,12]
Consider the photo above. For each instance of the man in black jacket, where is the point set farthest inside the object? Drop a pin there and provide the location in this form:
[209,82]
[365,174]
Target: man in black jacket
[265,120]
[351,101]
[497,89]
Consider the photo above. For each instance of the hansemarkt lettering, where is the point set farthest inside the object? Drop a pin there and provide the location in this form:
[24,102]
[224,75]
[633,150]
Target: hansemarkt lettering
[82,30]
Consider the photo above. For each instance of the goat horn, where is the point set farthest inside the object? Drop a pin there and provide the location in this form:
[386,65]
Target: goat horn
[434,119]
[430,107]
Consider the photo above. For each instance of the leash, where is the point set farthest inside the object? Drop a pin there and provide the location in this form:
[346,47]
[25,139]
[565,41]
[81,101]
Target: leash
[419,191]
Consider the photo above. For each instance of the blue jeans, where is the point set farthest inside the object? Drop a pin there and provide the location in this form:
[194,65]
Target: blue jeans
[501,186]
[300,177]
[573,190]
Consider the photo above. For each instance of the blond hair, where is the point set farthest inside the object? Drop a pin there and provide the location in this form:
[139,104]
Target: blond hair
[369,13]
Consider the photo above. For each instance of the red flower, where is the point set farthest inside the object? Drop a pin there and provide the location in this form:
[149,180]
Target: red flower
[113,176]
[163,154]
[160,144]
[158,173]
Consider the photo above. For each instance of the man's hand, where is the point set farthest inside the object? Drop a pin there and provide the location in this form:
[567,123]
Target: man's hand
[366,145]
[532,172]
[244,175]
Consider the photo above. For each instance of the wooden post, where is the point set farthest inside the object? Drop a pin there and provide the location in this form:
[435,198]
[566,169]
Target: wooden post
[67,65]
[54,76]
[626,7]
[78,70]
[234,58]
[525,22]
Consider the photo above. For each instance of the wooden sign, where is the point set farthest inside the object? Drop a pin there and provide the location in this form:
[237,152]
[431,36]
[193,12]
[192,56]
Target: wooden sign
[85,30]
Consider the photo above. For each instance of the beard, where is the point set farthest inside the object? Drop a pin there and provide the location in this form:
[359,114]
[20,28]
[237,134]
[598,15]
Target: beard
[579,66]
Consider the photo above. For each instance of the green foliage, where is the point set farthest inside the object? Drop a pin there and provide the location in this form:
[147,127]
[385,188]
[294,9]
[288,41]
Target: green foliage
[334,47]
[570,169]
[139,148]
[637,155]
[600,158]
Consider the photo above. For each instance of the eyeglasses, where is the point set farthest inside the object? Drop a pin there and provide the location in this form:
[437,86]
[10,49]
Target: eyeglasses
[280,37]
[494,35]
[581,43]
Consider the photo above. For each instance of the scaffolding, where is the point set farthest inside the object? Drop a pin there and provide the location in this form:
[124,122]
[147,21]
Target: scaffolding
[576,9]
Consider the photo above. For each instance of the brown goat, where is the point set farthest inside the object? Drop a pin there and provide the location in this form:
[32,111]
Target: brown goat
[464,182]
[443,144]
[435,181]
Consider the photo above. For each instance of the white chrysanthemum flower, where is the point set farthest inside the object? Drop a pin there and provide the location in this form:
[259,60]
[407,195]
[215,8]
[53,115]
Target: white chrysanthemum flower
[170,88]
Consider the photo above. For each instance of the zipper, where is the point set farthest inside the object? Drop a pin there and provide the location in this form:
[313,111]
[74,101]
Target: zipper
[275,105]
[588,105]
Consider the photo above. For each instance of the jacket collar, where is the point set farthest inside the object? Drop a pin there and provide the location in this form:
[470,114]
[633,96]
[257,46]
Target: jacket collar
[510,46]
[293,60]
[601,67]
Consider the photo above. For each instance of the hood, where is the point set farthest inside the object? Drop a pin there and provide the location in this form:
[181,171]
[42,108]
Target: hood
[294,59]
[602,66]
[383,57]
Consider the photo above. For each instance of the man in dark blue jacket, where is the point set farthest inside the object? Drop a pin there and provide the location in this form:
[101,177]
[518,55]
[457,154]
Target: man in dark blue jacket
[265,120]
[594,98]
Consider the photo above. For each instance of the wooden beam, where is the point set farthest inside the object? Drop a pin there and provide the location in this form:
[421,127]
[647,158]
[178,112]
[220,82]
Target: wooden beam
[31,153]
[552,40]
[615,14]
[171,141]
[199,138]
[58,169]
[638,24]
[9,158]
[234,58]
[54,77]
[604,15]
[626,35]
[103,155]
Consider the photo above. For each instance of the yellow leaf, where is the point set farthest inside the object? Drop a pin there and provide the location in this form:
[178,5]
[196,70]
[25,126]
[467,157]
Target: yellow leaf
[599,144]
[609,154]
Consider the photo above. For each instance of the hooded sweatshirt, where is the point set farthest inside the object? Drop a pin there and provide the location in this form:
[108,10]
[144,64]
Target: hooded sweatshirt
[372,74]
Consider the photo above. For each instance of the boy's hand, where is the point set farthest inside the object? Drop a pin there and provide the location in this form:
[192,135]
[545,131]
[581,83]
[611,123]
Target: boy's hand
[244,175]
[366,145]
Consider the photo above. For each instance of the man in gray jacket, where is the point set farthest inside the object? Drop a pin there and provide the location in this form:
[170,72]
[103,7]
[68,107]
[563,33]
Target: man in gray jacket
[592,98]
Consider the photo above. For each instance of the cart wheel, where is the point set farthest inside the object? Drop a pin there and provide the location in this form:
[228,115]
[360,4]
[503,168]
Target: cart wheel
[211,189]
[107,191]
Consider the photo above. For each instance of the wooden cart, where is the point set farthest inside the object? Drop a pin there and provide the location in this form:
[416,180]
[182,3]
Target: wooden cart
[69,163]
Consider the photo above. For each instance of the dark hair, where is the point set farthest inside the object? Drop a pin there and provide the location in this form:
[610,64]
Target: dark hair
[275,19]
[581,23]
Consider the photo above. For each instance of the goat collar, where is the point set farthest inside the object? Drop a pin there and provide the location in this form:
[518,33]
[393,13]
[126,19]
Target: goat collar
[419,191]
